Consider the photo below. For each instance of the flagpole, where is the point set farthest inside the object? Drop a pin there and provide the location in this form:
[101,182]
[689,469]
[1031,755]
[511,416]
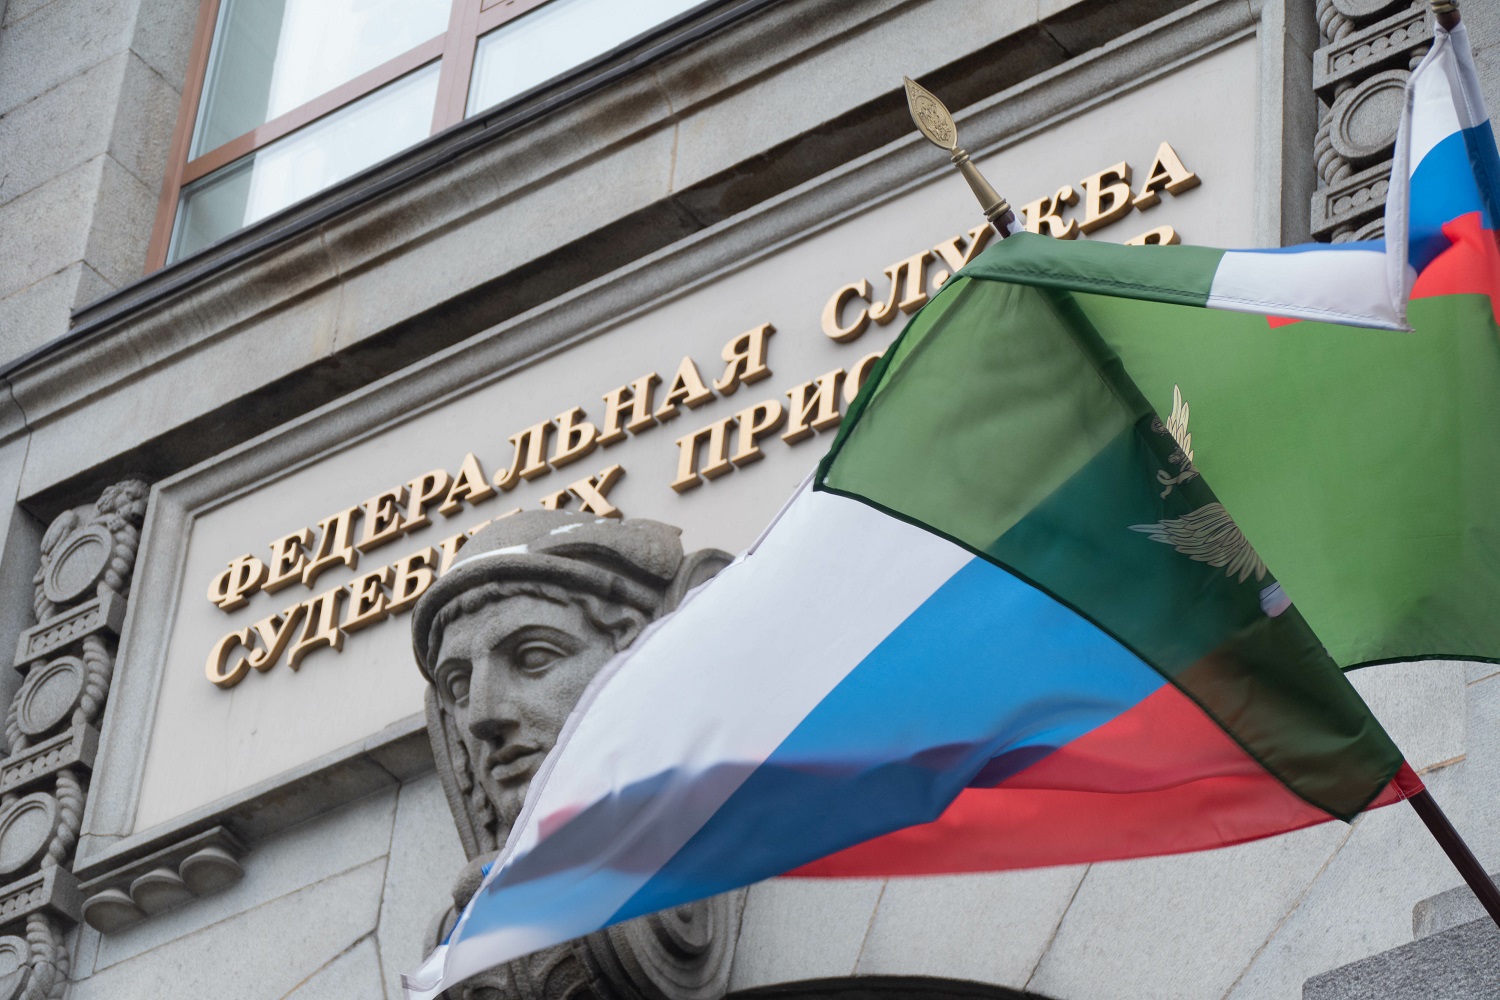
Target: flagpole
[1446,12]
[1458,852]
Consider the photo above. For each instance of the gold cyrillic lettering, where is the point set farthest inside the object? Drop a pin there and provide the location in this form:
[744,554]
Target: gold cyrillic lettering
[448,550]
[687,388]
[744,360]
[977,239]
[635,398]
[813,411]
[275,631]
[855,380]
[1046,213]
[833,311]
[531,456]
[593,492]
[413,575]
[335,544]
[1166,174]
[218,669]
[232,588]
[755,423]
[319,627]
[470,484]
[576,437]
[1161,236]
[423,490]
[688,473]
[1106,197]
[908,283]
[382,520]
[288,557]
[367,602]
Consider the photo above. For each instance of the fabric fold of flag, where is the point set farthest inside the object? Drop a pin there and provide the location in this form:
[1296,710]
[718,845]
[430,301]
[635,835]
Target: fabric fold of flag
[1362,463]
[1054,484]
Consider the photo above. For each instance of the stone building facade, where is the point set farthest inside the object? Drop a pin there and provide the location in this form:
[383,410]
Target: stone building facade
[725,211]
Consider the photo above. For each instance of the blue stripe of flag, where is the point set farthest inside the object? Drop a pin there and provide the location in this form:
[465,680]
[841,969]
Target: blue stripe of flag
[1457,177]
[984,679]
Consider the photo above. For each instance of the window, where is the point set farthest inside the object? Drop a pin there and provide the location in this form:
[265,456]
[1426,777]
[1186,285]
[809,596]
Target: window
[286,97]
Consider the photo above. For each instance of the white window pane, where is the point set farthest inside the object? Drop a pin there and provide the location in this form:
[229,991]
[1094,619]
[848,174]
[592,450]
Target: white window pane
[269,56]
[373,128]
[556,37]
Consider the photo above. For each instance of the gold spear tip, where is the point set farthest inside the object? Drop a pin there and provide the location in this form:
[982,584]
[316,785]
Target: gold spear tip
[931,118]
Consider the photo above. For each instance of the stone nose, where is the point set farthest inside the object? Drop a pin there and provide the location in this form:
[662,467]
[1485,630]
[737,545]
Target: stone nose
[492,707]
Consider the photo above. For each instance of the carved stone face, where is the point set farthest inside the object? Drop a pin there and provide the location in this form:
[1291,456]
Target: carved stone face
[509,638]
[509,673]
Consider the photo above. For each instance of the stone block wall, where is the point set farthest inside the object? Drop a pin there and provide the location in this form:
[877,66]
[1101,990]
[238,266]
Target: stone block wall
[88,99]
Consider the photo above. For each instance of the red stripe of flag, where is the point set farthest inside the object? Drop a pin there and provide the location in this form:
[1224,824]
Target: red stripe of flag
[1161,778]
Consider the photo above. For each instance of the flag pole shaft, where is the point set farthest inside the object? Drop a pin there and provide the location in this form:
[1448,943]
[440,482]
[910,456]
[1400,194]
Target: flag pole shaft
[1447,15]
[1458,852]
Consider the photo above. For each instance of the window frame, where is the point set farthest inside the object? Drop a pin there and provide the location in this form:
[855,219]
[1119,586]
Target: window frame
[467,21]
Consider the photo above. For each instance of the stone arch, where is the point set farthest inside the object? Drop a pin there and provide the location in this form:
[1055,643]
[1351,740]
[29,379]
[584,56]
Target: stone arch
[885,988]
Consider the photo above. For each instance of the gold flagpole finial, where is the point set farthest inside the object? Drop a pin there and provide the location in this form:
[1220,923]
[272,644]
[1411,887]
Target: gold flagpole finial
[1447,13]
[933,121]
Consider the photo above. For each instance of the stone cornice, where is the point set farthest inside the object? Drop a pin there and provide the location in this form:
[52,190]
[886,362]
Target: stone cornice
[489,220]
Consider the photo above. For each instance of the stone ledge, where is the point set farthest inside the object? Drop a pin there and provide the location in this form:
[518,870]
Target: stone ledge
[1445,911]
[384,760]
[1462,963]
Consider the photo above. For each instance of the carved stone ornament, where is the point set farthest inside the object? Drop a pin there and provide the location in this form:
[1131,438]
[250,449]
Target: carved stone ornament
[1360,74]
[51,732]
[508,639]
[1365,117]
[205,863]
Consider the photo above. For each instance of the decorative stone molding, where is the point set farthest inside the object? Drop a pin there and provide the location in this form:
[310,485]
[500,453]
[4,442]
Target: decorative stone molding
[1359,76]
[1386,45]
[195,867]
[1351,202]
[105,613]
[51,735]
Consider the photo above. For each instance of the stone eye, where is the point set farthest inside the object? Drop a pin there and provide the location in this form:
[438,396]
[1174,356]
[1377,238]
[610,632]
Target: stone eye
[536,655]
[456,685]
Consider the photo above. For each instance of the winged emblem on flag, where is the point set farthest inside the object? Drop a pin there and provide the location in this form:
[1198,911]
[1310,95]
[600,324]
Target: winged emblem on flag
[1208,534]
[1177,427]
